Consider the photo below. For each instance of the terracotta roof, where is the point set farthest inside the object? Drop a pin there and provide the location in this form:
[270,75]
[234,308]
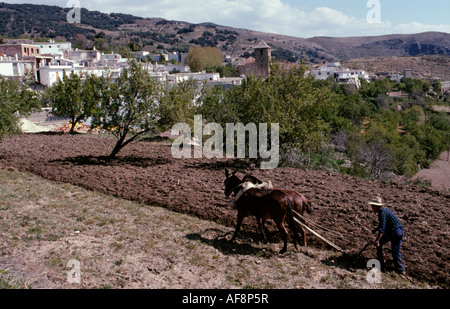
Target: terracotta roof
[249,60]
[247,66]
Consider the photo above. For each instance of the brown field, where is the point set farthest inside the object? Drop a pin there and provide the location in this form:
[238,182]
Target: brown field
[144,246]
[438,173]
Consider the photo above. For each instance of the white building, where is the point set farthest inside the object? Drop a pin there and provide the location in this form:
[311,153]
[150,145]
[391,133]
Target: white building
[199,76]
[342,75]
[178,57]
[56,49]
[395,77]
[110,60]
[445,86]
[175,57]
[181,68]
[202,76]
[85,57]
[177,78]
[228,82]
[13,68]
[6,68]
[111,57]
[50,74]
[141,55]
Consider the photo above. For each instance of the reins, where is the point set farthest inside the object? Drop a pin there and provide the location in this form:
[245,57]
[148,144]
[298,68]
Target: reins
[319,236]
[239,185]
[316,225]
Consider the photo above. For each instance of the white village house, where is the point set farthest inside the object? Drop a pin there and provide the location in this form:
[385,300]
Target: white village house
[50,60]
[56,49]
[342,75]
[12,68]
[50,74]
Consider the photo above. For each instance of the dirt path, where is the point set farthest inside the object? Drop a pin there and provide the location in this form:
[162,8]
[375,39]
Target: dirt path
[147,173]
[438,174]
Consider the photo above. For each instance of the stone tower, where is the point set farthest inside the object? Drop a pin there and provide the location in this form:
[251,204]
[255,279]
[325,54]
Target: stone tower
[263,57]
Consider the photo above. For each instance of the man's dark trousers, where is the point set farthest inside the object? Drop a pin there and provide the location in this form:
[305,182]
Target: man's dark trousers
[396,240]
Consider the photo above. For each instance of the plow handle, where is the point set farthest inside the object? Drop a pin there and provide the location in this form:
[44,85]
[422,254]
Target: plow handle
[363,249]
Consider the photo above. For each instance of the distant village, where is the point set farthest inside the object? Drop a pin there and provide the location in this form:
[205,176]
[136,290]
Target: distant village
[48,61]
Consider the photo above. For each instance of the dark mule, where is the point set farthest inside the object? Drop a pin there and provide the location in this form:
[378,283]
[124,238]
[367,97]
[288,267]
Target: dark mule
[298,201]
[263,204]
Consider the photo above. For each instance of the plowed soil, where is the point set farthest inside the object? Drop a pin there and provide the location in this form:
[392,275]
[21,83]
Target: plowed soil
[146,172]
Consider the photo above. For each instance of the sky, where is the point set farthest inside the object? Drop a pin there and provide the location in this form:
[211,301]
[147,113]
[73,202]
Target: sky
[299,18]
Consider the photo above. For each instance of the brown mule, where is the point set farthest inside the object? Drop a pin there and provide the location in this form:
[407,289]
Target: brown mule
[299,202]
[263,204]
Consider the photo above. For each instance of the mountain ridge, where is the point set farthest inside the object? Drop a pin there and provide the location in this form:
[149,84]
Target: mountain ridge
[111,31]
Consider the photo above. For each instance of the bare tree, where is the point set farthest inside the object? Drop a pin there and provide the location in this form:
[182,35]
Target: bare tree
[377,158]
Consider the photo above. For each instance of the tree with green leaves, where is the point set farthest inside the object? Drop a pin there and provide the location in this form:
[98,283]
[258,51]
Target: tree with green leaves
[15,100]
[128,106]
[200,58]
[71,97]
[376,92]
[220,108]
[179,103]
[224,70]
[289,98]
[286,97]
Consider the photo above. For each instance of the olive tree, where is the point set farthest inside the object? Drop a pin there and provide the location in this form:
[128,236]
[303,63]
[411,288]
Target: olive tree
[200,58]
[179,103]
[74,98]
[15,100]
[128,105]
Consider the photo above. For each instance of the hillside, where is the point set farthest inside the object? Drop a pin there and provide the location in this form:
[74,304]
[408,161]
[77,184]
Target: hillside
[437,66]
[111,31]
[428,43]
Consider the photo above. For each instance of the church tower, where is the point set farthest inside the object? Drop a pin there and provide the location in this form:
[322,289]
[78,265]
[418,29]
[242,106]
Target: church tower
[263,57]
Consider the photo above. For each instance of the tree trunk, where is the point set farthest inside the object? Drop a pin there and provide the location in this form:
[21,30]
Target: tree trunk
[75,120]
[117,147]
[72,127]
[122,143]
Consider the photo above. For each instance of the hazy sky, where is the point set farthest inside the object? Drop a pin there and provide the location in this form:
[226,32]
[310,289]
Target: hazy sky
[301,18]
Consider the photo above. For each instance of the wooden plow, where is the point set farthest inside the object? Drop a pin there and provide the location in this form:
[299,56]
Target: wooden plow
[333,245]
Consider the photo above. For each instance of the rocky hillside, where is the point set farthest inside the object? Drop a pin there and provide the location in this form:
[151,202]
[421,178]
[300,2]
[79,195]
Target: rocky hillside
[436,66]
[428,43]
[111,31]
